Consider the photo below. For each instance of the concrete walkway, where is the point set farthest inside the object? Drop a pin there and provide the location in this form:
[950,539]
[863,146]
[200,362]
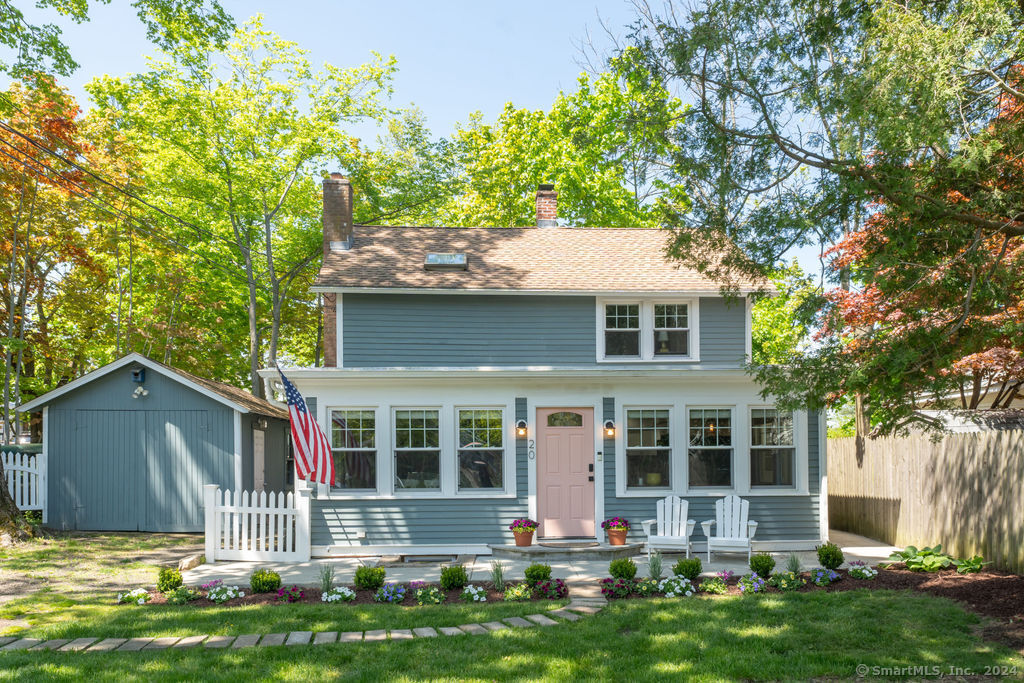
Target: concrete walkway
[479,567]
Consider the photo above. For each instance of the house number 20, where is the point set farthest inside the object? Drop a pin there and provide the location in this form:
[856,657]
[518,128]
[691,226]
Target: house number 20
[531,449]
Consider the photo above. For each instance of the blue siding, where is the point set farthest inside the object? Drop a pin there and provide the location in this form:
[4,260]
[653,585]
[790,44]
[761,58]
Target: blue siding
[722,329]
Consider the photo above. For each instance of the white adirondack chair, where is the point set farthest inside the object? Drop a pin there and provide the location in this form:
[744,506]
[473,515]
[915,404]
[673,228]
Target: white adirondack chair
[673,529]
[734,530]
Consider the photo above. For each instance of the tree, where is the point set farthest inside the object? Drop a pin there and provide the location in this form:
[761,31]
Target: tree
[781,324]
[234,144]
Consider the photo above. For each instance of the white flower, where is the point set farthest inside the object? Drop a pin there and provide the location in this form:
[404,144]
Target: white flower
[142,601]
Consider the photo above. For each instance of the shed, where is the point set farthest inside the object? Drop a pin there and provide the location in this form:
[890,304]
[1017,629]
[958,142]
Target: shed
[130,445]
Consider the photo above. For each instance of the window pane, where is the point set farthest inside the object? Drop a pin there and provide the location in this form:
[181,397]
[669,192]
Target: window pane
[480,469]
[710,467]
[710,427]
[647,428]
[353,429]
[565,419]
[622,343]
[622,316]
[355,469]
[647,468]
[480,428]
[771,466]
[417,470]
[671,343]
[417,429]
[769,427]
[670,315]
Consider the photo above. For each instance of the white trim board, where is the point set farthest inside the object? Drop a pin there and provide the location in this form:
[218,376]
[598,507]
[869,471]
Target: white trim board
[717,292]
[341,550]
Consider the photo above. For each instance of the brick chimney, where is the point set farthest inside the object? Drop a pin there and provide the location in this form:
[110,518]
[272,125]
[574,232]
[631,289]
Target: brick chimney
[337,222]
[547,206]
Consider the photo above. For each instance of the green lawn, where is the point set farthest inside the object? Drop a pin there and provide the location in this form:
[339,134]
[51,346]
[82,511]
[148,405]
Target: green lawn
[783,636]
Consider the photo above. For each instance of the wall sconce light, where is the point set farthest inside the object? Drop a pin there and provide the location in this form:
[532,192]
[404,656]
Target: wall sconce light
[521,428]
[609,429]
[140,392]
[261,423]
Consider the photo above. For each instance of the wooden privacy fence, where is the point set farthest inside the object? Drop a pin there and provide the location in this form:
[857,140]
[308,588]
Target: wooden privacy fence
[26,478]
[965,492]
[250,525]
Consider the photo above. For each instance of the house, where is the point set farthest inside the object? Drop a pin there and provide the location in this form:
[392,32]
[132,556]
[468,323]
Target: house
[477,375]
[130,445]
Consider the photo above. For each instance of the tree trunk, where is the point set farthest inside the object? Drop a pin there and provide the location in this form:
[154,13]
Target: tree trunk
[11,522]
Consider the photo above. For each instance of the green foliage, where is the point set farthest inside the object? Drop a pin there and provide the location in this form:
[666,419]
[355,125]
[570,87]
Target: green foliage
[780,323]
[369,578]
[497,575]
[550,589]
[830,555]
[622,568]
[454,577]
[33,517]
[924,560]
[713,584]
[168,579]
[793,564]
[646,587]
[788,581]
[970,565]
[762,564]
[536,573]
[689,568]
[518,592]
[264,581]
[430,595]
[654,569]
[326,578]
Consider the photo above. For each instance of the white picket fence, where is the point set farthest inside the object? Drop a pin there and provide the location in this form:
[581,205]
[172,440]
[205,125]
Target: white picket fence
[26,479]
[250,525]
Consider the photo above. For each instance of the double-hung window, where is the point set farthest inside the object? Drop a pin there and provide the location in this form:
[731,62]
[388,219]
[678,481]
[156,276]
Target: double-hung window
[622,330]
[671,330]
[710,452]
[648,448]
[772,449]
[417,449]
[481,451]
[647,331]
[354,448]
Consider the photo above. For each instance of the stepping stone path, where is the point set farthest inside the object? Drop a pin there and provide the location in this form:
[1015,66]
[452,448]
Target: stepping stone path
[584,602]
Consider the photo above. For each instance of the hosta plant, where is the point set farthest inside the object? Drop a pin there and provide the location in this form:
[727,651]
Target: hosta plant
[616,588]
[390,593]
[552,589]
[518,592]
[970,565]
[787,581]
[861,570]
[677,587]
[924,560]
[752,584]
[138,596]
[473,593]
[338,594]
[221,593]
[429,595]
[823,577]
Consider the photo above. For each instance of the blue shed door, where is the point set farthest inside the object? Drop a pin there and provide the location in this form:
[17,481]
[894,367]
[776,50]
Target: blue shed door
[107,468]
[178,464]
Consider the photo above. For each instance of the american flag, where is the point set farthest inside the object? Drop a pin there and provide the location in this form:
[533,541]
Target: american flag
[313,460]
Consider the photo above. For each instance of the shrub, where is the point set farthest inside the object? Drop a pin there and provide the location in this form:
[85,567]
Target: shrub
[823,577]
[861,570]
[220,593]
[182,595]
[616,588]
[645,587]
[264,581]
[338,594]
[689,568]
[293,594]
[138,596]
[454,577]
[552,589]
[622,568]
[33,517]
[369,578]
[654,569]
[787,581]
[518,592]
[830,556]
[752,584]
[430,595]
[390,593]
[326,578]
[762,564]
[473,593]
[676,586]
[168,579]
[497,575]
[536,573]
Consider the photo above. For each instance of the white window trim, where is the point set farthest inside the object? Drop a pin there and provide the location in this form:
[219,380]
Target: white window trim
[734,464]
[506,434]
[376,437]
[800,470]
[647,330]
[621,439]
[444,489]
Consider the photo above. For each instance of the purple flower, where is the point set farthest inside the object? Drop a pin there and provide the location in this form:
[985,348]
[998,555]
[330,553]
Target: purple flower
[615,523]
[725,575]
[523,525]
[212,584]
[415,585]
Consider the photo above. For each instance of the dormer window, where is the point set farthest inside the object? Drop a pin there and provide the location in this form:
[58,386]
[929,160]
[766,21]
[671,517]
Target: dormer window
[647,330]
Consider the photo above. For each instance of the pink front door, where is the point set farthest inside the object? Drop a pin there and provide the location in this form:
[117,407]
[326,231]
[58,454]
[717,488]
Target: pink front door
[565,472]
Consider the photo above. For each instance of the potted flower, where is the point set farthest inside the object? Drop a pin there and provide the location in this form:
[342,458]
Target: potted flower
[617,528]
[523,530]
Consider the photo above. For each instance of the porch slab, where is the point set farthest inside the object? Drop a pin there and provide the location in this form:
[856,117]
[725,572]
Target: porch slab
[559,551]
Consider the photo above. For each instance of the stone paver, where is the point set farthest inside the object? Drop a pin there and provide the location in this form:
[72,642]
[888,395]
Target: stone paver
[108,644]
[5,640]
[350,637]
[161,643]
[584,609]
[248,640]
[78,644]
[189,642]
[401,634]
[473,629]
[565,614]
[299,638]
[51,644]
[518,622]
[494,626]
[452,631]
[325,637]
[217,642]
[134,644]
[425,632]
[272,639]
[541,620]
[376,635]
[23,644]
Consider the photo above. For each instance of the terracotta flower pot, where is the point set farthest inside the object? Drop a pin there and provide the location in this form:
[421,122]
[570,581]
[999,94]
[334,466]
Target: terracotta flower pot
[617,536]
[524,538]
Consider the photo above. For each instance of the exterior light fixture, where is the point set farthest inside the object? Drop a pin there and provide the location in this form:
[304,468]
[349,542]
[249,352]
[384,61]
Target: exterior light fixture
[609,429]
[521,428]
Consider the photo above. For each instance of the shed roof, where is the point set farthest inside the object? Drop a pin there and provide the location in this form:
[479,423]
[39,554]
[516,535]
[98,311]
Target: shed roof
[519,259]
[229,395]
